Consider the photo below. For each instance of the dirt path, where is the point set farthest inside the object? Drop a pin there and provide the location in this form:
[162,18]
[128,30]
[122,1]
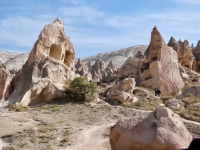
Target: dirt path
[95,137]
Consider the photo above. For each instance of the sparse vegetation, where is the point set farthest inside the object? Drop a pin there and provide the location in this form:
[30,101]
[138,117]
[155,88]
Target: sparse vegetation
[18,108]
[81,89]
[190,111]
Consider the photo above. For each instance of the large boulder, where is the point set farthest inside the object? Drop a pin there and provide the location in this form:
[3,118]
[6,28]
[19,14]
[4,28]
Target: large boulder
[160,130]
[122,91]
[162,70]
[49,68]
[130,67]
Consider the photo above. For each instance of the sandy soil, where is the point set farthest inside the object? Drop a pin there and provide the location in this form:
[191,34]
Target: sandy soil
[64,126]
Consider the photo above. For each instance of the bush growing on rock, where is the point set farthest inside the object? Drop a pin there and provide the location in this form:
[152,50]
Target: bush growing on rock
[81,89]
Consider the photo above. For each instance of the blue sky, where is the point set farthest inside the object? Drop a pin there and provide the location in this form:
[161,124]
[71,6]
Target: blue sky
[98,26]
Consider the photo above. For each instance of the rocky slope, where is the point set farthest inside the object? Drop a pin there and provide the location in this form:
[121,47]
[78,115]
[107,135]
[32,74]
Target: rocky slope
[118,57]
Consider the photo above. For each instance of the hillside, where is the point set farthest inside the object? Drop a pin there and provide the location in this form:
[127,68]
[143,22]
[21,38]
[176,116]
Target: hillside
[118,57]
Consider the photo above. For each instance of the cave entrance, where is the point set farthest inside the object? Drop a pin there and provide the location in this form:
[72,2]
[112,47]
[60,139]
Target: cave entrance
[55,51]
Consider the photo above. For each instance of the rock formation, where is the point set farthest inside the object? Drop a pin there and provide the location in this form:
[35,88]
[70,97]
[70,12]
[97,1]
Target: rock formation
[196,52]
[162,68]
[112,66]
[122,91]
[131,67]
[160,130]
[83,69]
[48,69]
[184,52]
[117,57]
[5,83]
[140,55]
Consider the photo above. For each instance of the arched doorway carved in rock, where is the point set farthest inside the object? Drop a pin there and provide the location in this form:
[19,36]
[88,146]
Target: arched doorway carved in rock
[55,51]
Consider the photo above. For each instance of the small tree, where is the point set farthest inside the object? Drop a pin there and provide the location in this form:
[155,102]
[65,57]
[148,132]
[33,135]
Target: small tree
[83,90]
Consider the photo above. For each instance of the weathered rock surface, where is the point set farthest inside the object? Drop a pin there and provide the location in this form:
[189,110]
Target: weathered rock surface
[6,87]
[131,66]
[6,56]
[163,130]
[97,72]
[17,62]
[117,57]
[162,69]
[83,69]
[48,69]
[122,91]
[184,51]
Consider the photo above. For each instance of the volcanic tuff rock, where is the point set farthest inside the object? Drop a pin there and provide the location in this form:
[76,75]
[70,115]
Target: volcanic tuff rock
[83,69]
[160,130]
[122,91]
[48,69]
[6,87]
[162,68]
[184,52]
[131,67]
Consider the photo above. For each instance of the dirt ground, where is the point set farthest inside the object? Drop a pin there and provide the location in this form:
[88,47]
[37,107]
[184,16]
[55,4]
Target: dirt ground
[64,126]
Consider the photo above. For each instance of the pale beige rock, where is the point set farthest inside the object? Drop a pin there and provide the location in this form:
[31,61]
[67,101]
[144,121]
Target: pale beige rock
[112,66]
[83,70]
[163,130]
[96,70]
[196,52]
[140,55]
[100,72]
[184,51]
[49,68]
[122,91]
[162,71]
[131,67]
[5,83]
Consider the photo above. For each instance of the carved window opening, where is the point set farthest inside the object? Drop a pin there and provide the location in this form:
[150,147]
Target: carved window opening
[68,58]
[55,51]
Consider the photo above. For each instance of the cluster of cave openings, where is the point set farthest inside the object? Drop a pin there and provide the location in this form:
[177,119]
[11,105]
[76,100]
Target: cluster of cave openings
[55,51]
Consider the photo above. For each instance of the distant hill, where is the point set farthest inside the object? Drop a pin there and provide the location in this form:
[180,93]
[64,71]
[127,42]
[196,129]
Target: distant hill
[15,60]
[118,57]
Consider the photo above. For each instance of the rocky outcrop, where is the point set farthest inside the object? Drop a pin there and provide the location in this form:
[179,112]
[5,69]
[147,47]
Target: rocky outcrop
[162,69]
[122,91]
[117,57]
[184,51]
[131,67]
[5,83]
[112,66]
[83,69]
[196,52]
[48,69]
[140,55]
[160,130]
[97,72]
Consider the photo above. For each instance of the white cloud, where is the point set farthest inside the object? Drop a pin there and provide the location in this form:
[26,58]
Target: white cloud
[21,31]
[82,11]
[121,21]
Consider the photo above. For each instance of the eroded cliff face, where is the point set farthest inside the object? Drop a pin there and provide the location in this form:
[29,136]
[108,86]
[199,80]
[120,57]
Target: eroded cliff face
[48,69]
[163,69]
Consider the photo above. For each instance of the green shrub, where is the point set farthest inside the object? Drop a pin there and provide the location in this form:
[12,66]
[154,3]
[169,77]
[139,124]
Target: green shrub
[82,90]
